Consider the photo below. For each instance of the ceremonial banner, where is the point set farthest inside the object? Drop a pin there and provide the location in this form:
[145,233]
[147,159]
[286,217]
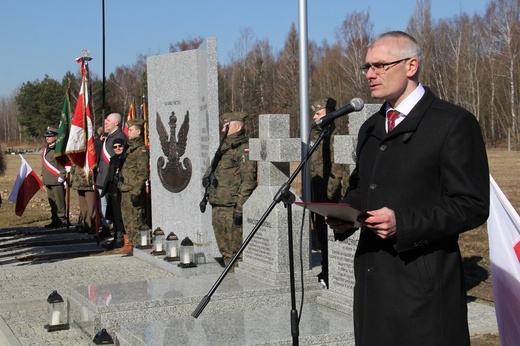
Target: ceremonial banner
[80,146]
[63,132]
[25,187]
[504,250]
[129,116]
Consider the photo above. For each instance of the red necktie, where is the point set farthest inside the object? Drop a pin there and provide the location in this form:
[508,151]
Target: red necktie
[392,115]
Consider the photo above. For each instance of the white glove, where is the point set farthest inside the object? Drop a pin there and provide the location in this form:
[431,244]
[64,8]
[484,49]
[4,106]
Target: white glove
[60,180]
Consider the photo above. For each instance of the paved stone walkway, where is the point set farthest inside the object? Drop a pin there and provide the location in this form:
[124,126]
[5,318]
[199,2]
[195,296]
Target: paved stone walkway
[27,284]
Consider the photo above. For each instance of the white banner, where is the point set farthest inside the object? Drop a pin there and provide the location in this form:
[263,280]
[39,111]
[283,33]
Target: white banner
[504,249]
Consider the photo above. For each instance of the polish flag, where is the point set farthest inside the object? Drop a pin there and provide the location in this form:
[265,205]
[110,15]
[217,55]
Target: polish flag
[504,251]
[25,187]
[80,146]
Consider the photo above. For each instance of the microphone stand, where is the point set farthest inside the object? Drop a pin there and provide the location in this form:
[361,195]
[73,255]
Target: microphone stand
[288,198]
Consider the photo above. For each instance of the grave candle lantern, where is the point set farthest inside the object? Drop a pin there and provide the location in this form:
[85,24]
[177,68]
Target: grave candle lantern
[144,237]
[158,242]
[172,247]
[58,314]
[187,253]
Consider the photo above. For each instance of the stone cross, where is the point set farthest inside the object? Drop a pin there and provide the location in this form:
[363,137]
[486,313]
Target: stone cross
[266,256]
[339,296]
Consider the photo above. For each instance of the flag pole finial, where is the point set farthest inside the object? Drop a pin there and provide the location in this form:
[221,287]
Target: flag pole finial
[86,55]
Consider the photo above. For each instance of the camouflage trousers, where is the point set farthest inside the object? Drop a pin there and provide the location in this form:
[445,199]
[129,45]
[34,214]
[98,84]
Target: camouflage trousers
[132,216]
[228,235]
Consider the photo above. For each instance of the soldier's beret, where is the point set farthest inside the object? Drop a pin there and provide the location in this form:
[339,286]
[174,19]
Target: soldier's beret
[51,132]
[328,103]
[233,116]
[133,122]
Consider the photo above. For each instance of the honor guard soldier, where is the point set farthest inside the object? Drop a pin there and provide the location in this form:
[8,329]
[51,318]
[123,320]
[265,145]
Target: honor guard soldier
[53,177]
[135,170]
[230,184]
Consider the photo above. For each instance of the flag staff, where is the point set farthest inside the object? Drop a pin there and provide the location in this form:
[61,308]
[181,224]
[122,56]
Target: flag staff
[103,54]
[147,184]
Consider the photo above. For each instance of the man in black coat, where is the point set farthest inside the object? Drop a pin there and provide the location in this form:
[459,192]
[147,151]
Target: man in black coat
[112,127]
[424,179]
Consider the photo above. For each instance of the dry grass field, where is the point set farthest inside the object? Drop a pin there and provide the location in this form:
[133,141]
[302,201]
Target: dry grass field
[504,167]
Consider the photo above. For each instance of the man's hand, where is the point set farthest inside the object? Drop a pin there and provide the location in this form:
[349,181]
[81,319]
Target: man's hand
[339,226]
[382,222]
[134,199]
[342,229]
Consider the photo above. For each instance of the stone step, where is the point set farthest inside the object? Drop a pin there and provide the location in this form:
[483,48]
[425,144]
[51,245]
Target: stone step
[38,243]
[318,325]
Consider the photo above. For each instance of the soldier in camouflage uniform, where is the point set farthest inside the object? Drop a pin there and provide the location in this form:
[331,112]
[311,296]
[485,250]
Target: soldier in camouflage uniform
[134,173]
[328,180]
[231,185]
[84,184]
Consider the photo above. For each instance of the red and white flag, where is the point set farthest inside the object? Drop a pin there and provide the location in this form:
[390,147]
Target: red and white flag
[25,187]
[504,250]
[129,116]
[80,146]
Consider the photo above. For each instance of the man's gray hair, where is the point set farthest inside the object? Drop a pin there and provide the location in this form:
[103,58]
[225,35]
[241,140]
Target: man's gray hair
[409,47]
[117,117]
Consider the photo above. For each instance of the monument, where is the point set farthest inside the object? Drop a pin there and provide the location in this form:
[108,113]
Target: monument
[267,258]
[184,134]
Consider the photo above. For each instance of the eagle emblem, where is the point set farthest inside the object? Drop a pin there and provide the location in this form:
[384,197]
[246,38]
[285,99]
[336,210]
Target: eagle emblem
[174,175]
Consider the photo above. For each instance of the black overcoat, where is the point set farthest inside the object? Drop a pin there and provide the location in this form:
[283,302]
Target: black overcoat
[432,171]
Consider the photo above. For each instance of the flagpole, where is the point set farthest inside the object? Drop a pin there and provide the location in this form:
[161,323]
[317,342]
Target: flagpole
[148,187]
[103,53]
[87,58]
[145,118]
[67,200]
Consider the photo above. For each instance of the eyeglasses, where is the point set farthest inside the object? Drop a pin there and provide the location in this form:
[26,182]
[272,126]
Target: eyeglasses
[381,67]
[117,147]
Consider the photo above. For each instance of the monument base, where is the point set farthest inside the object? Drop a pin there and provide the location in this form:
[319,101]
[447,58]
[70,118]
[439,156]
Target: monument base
[162,301]
[318,326]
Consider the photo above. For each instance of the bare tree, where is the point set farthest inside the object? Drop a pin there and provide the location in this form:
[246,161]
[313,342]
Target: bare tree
[260,79]
[288,70]
[243,47]
[8,119]
[420,26]
[187,44]
[125,86]
[353,37]
[503,18]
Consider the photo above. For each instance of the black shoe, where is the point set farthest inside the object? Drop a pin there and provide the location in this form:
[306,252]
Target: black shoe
[105,233]
[220,260]
[54,224]
[116,243]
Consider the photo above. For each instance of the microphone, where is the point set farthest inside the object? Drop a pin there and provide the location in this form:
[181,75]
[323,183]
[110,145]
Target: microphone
[355,105]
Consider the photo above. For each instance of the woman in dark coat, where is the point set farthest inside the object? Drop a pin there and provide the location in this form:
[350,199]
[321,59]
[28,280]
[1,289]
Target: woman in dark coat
[423,183]
[111,189]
